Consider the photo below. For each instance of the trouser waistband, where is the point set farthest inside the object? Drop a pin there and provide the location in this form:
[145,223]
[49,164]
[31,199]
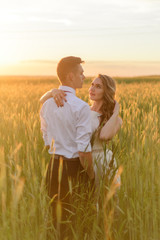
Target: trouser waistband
[57,157]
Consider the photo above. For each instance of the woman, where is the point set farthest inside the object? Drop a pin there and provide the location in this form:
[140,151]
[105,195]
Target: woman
[105,122]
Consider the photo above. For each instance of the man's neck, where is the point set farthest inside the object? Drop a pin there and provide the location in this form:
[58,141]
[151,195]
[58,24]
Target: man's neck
[68,85]
[67,88]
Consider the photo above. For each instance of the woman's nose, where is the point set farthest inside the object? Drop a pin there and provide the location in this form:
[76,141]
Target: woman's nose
[92,88]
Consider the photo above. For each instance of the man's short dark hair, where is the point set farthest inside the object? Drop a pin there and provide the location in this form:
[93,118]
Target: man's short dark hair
[67,65]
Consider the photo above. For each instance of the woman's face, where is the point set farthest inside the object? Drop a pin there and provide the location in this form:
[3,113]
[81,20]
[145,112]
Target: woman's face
[96,91]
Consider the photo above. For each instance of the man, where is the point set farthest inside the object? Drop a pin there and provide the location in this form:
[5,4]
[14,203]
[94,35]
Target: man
[67,132]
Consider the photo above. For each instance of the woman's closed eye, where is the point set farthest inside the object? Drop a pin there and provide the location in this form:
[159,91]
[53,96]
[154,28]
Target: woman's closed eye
[98,86]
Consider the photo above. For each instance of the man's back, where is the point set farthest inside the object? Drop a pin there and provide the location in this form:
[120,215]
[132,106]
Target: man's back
[68,126]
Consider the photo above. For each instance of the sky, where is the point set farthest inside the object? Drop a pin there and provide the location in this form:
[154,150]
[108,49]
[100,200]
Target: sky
[120,37]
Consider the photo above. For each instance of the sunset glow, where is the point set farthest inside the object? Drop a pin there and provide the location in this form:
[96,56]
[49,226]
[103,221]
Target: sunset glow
[118,31]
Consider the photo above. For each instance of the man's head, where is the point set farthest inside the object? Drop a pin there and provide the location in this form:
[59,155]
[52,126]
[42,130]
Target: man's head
[70,71]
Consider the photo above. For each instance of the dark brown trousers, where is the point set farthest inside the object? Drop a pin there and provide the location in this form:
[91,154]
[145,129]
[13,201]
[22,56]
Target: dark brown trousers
[64,179]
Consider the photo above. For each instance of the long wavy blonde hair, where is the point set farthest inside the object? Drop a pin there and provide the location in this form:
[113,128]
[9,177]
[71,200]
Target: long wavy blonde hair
[108,105]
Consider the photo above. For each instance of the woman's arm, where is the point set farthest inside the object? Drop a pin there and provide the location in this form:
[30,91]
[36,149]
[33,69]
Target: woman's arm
[46,96]
[57,94]
[112,126]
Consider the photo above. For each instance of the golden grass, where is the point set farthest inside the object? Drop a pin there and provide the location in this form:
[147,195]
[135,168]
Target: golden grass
[24,203]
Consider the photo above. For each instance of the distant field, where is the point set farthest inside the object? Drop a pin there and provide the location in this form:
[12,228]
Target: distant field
[42,79]
[24,207]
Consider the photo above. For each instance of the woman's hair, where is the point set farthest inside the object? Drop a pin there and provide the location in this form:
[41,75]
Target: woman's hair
[108,105]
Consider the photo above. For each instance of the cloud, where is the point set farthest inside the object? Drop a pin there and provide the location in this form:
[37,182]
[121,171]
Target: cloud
[88,17]
[64,21]
[16,16]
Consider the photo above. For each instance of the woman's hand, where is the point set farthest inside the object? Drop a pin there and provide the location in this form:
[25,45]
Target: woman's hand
[59,97]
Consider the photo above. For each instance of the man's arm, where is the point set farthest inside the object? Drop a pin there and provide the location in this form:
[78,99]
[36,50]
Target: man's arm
[86,162]
[83,135]
[112,126]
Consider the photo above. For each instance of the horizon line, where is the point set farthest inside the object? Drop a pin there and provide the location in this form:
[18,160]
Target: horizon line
[32,75]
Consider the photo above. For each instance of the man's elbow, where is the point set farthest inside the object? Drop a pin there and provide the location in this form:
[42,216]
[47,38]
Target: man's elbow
[85,158]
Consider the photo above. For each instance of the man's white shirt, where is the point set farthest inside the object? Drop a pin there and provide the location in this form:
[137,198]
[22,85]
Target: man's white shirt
[67,129]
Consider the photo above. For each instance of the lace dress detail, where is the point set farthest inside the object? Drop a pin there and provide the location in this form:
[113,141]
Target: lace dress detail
[103,161]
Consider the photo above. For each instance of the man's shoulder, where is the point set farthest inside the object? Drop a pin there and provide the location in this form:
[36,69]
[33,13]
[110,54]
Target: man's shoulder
[49,102]
[47,105]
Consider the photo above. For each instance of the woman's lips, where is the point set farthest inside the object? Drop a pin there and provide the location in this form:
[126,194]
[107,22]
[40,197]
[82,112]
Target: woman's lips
[92,94]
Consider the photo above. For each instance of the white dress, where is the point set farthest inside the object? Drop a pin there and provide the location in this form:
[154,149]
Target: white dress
[103,161]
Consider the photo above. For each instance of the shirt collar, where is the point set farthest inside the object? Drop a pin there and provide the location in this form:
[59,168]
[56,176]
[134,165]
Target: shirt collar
[96,113]
[69,89]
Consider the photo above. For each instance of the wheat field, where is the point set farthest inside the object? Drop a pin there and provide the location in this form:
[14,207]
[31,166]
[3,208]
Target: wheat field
[24,204]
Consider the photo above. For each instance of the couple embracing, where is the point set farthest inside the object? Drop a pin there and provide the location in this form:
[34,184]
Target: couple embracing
[68,124]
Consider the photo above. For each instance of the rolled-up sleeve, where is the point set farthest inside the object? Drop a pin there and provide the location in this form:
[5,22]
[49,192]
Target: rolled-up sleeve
[83,128]
[44,124]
